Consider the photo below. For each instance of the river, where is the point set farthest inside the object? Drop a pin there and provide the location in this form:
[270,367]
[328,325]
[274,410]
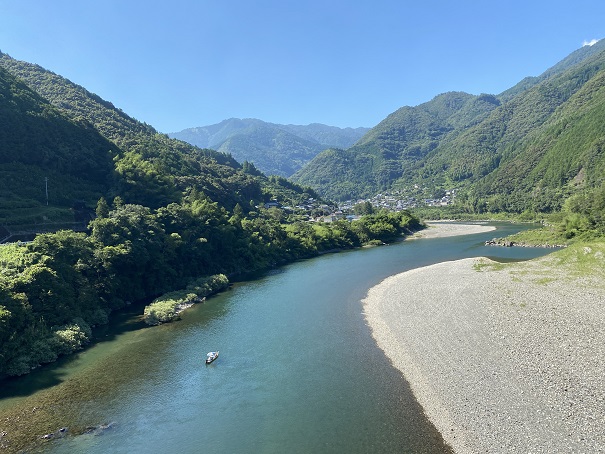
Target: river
[298,370]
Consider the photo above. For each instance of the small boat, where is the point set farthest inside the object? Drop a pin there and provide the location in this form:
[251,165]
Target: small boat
[211,356]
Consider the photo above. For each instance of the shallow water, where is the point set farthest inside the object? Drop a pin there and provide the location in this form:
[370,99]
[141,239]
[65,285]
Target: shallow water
[298,369]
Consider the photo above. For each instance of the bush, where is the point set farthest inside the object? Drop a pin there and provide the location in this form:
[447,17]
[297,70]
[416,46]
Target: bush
[167,307]
[70,338]
[207,286]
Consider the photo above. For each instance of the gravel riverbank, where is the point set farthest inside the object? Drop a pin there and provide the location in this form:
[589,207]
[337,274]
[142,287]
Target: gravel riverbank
[503,358]
[446,229]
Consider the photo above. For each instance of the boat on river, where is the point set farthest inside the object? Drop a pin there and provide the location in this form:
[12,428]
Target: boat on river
[211,356]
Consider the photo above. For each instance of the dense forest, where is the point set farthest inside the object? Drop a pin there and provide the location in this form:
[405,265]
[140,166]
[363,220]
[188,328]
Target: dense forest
[166,216]
[53,290]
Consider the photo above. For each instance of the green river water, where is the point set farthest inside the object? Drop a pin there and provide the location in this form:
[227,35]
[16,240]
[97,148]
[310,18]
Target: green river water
[298,370]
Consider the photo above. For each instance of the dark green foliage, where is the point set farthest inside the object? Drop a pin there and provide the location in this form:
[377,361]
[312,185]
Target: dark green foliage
[37,142]
[560,156]
[141,165]
[363,208]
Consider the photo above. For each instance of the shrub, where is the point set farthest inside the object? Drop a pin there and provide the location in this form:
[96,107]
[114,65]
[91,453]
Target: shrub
[70,338]
[167,307]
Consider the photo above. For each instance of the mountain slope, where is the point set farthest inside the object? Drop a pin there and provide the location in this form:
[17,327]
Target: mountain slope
[507,150]
[273,148]
[327,136]
[43,151]
[396,147]
[478,150]
[575,58]
[515,156]
[566,154]
[149,168]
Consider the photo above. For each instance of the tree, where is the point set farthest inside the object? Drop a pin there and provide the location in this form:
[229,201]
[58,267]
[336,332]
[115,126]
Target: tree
[102,208]
[363,208]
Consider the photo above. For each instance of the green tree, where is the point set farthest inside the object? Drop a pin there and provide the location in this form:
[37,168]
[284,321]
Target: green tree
[102,210]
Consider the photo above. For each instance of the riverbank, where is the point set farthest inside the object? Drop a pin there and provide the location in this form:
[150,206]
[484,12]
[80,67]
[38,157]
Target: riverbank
[447,229]
[502,357]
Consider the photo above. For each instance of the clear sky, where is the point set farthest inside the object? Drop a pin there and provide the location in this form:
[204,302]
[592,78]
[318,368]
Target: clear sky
[183,63]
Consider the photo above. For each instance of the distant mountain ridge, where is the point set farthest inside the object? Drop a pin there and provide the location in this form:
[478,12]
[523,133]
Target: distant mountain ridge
[273,148]
[528,148]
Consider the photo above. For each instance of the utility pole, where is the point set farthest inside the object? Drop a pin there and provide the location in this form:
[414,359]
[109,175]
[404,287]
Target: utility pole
[46,181]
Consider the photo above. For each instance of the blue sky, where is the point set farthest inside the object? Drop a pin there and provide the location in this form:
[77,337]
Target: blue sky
[187,63]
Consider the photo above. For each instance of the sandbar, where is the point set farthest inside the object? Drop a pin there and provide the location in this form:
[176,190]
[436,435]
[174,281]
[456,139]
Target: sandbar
[447,229]
[503,358]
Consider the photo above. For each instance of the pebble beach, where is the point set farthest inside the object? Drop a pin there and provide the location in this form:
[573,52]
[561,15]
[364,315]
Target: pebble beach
[503,358]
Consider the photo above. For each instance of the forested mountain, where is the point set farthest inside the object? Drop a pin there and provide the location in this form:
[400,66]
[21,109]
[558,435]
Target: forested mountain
[168,215]
[528,148]
[273,148]
[397,147]
[149,168]
[39,143]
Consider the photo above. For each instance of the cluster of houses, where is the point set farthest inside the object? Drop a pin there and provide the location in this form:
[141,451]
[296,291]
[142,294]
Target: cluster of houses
[392,201]
[398,201]
[315,211]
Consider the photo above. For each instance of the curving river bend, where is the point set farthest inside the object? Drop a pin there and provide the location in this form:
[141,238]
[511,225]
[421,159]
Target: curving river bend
[298,370]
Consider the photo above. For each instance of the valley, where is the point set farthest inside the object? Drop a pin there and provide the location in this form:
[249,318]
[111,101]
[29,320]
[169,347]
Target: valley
[117,214]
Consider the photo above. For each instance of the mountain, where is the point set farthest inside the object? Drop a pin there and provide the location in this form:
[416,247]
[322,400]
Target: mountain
[273,148]
[145,167]
[327,136]
[396,147]
[527,148]
[87,148]
[46,156]
[576,57]
[563,155]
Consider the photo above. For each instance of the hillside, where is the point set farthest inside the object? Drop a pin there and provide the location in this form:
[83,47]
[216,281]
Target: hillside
[507,152]
[147,168]
[395,148]
[504,158]
[273,148]
[561,157]
[46,158]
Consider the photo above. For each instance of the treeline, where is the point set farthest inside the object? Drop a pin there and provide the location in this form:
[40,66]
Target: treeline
[53,290]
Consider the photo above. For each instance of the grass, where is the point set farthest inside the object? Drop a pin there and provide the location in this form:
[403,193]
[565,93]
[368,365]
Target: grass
[582,259]
[482,265]
[543,236]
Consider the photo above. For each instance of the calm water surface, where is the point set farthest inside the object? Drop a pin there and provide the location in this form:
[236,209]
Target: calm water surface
[298,370]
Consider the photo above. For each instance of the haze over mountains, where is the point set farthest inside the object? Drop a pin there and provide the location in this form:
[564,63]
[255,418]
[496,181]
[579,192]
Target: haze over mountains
[273,148]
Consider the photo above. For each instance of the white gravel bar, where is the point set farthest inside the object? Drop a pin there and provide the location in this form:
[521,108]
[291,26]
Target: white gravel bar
[446,229]
[503,358]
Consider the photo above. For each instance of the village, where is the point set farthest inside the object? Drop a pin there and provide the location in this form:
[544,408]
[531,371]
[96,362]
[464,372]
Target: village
[316,211]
